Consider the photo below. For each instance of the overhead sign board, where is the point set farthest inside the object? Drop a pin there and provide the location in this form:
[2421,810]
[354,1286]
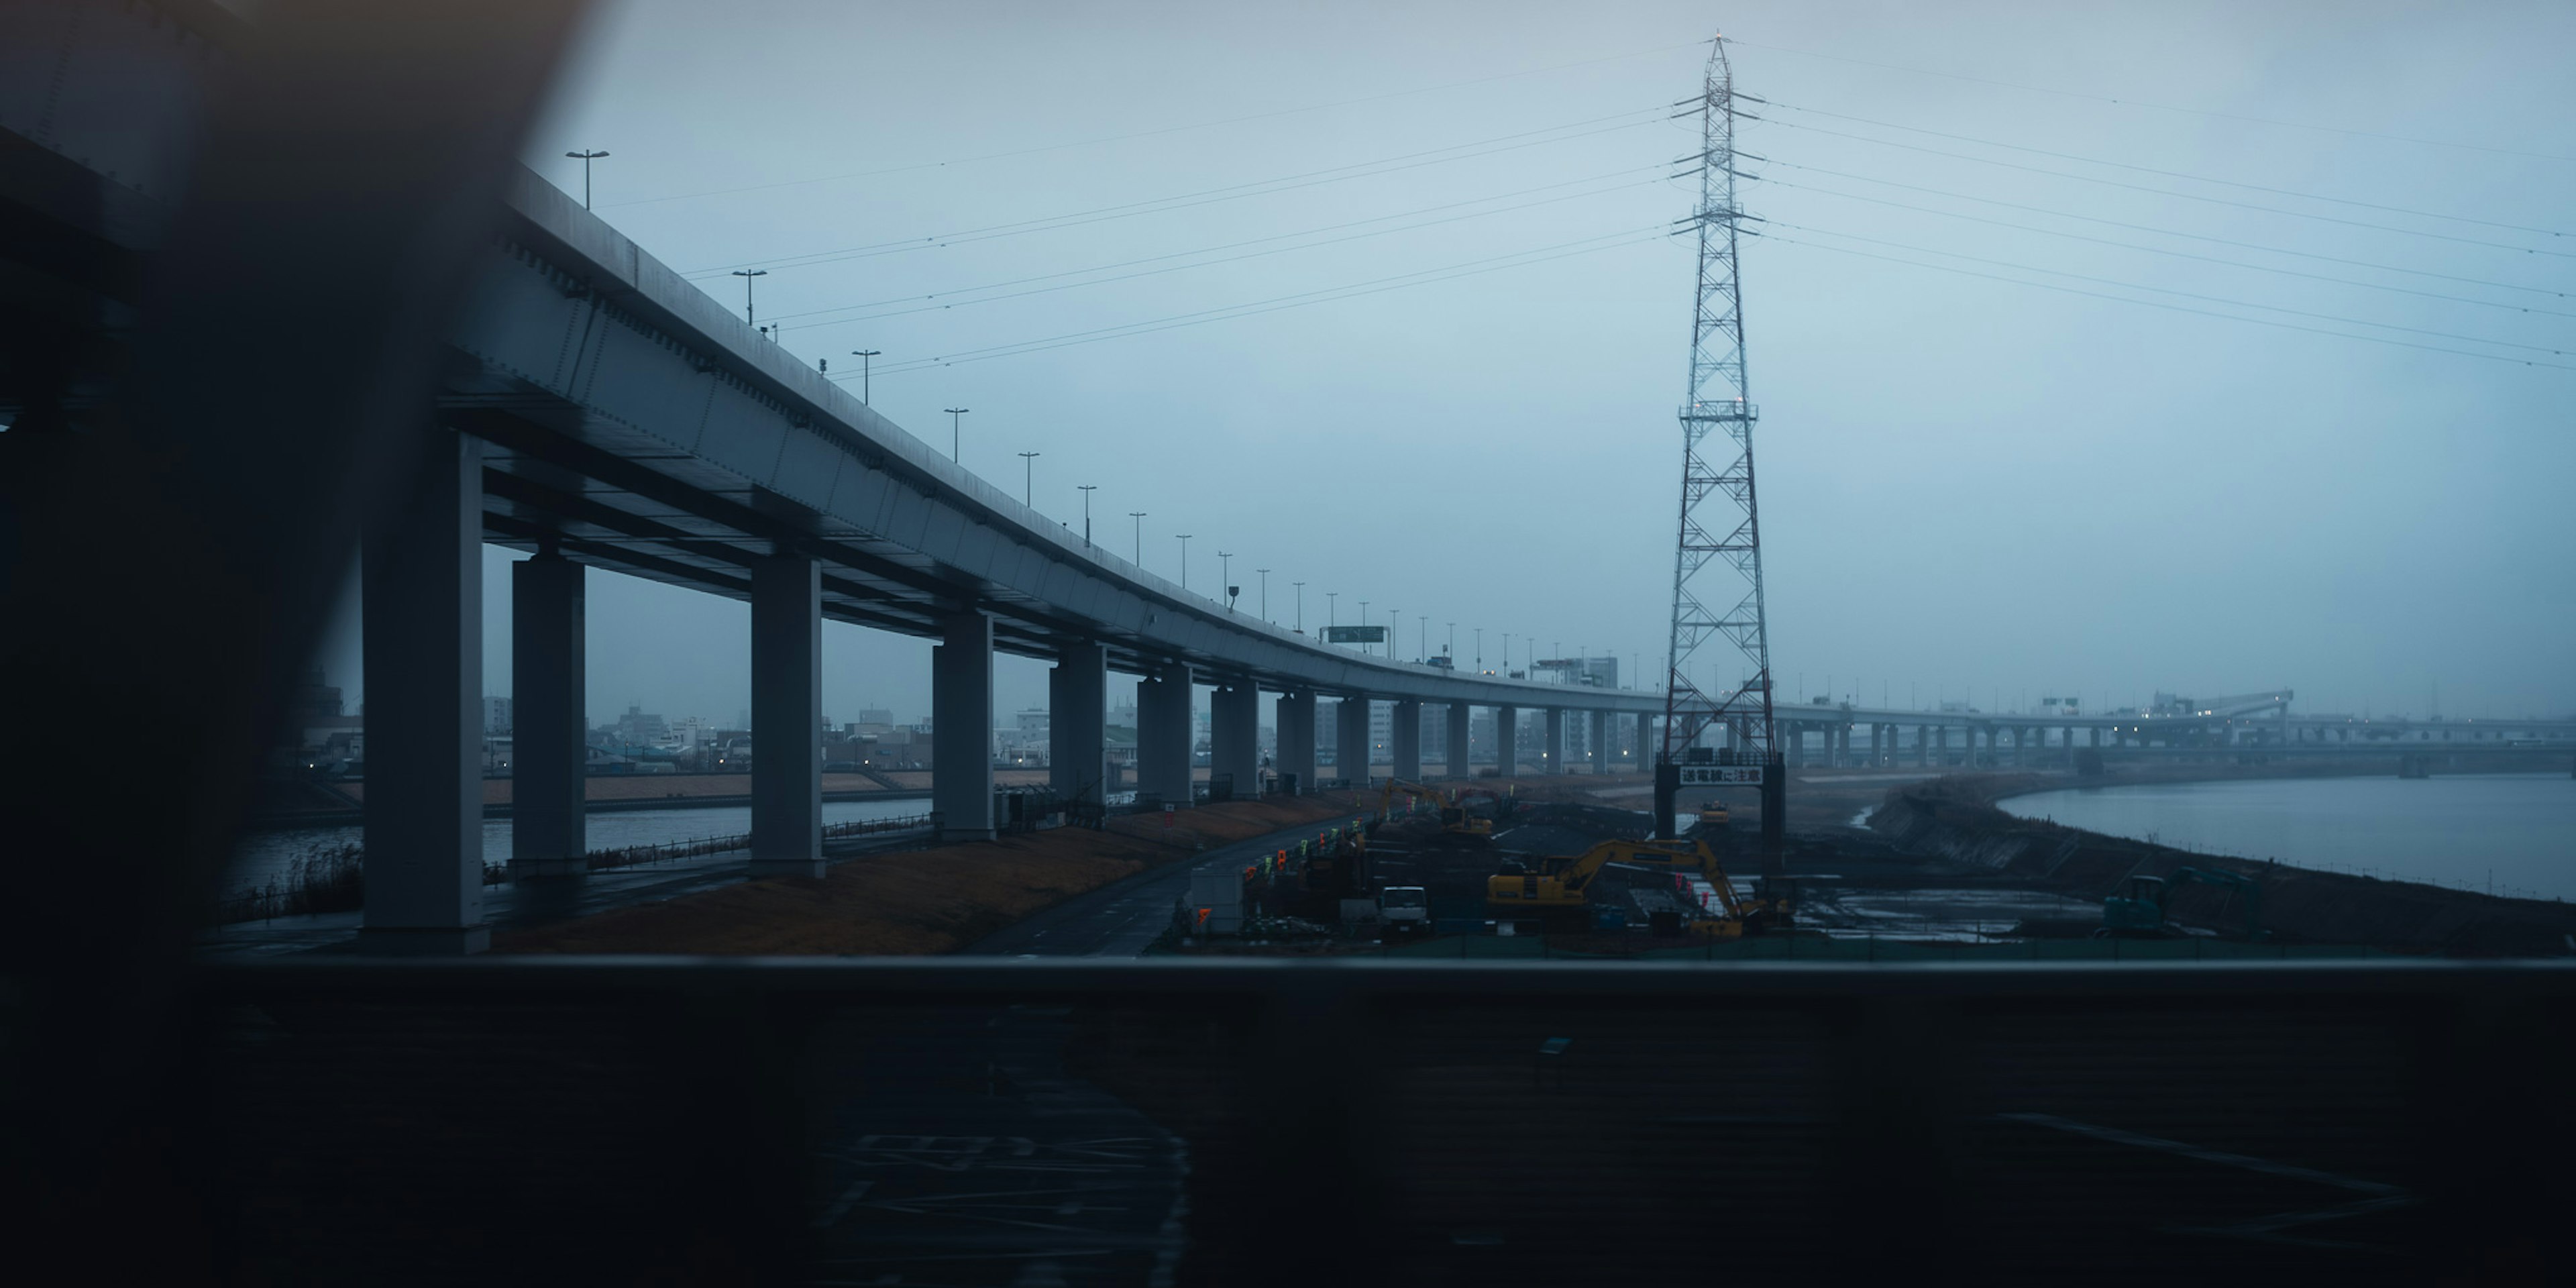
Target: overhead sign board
[1355,635]
[1721,775]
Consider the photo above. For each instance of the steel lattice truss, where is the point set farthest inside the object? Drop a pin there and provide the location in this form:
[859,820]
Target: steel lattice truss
[1721,651]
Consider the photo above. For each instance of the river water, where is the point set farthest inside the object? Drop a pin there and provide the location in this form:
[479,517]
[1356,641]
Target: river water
[264,855]
[2512,833]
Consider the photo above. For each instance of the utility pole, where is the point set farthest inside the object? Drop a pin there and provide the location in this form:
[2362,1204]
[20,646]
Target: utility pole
[1087,489]
[863,355]
[1265,592]
[955,438]
[1225,577]
[1139,517]
[1028,478]
[1185,559]
[585,157]
[746,275]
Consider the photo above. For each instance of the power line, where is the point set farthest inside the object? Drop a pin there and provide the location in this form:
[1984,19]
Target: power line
[1205,196]
[2161,107]
[1208,263]
[1146,134]
[2184,196]
[2163,290]
[2184,254]
[2177,308]
[1209,196]
[2171,174]
[2145,228]
[1372,286]
[1153,259]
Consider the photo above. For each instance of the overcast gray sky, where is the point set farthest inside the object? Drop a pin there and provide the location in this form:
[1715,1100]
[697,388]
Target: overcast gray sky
[1968,481]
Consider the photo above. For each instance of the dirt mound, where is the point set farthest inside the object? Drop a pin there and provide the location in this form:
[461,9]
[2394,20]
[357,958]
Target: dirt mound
[918,901]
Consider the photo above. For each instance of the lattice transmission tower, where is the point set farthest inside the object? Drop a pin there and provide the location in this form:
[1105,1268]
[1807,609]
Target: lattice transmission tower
[1721,651]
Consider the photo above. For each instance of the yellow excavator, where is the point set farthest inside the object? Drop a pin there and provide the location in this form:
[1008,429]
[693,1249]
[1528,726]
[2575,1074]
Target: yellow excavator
[1453,816]
[1558,889]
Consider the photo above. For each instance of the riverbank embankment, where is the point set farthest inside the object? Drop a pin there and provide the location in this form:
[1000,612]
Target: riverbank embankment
[932,900]
[1955,819]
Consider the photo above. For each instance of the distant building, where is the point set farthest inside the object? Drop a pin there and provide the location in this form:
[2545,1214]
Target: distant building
[496,717]
[641,728]
[316,699]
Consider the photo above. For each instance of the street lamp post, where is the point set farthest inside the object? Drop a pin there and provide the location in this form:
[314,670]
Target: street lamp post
[1087,489]
[1185,559]
[585,157]
[1265,592]
[1394,623]
[1225,577]
[863,355]
[1028,478]
[1364,625]
[1480,650]
[746,275]
[1139,517]
[955,436]
[1301,606]
[1332,609]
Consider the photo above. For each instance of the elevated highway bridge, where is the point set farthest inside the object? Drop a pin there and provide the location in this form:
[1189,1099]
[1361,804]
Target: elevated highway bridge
[594,409]
[1839,734]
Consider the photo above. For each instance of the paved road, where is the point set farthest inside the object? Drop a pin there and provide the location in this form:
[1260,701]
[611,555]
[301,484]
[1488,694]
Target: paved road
[1120,920]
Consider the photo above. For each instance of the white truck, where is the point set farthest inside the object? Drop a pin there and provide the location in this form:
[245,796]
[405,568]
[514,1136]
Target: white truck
[1404,910]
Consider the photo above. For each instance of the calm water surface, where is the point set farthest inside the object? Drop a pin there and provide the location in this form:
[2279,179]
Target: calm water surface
[264,855]
[2516,832]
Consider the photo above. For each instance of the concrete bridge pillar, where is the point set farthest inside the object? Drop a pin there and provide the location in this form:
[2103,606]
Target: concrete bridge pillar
[549,747]
[1458,735]
[1507,741]
[1234,737]
[1406,733]
[1164,733]
[1551,747]
[1296,756]
[1078,723]
[787,717]
[961,727]
[1597,741]
[1351,750]
[423,648]
[2097,736]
